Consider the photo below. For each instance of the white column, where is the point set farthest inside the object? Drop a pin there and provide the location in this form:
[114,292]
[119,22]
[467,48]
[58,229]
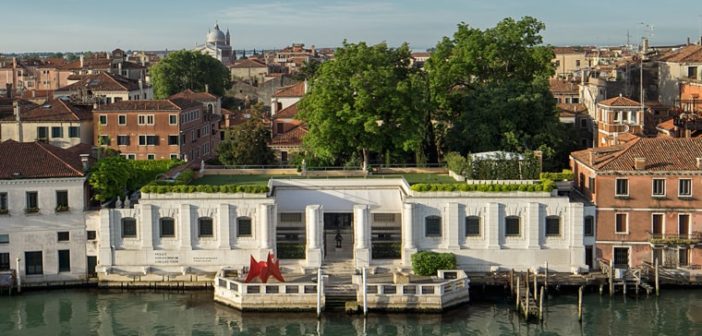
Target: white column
[492,226]
[109,227]
[264,224]
[223,235]
[313,226]
[361,227]
[532,225]
[451,227]
[408,245]
[146,224]
[186,226]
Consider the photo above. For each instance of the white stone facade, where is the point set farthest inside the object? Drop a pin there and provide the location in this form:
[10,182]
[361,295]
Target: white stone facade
[381,211]
[47,230]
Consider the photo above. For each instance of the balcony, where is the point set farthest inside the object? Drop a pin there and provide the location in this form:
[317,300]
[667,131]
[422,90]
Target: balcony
[693,238]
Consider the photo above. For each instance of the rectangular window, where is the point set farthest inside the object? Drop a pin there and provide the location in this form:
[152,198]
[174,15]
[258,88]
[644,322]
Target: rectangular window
[4,238]
[150,119]
[432,226]
[142,140]
[152,140]
[57,132]
[4,261]
[141,119]
[512,226]
[589,226]
[32,200]
[683,224]
[621,223]
[657,224]
[33,263]
[173,140]
[91,235]
[683,257]
[61,200]
[553,226]
[151,157]
[172,119]
[622,188]
[591,184]
[692,72]
[658,188]
[121,119]
[685,188]
[472,226]
[129,228]
[64,260]
[74,132]
[205,227]
[621,257]
[123,140]
[103,119]
[167,227]
[3,203]
[42,133]
[175,156]
[243,227]
[63,236]
[104,140]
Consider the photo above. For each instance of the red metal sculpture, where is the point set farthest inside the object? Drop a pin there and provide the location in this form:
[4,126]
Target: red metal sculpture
[265,269]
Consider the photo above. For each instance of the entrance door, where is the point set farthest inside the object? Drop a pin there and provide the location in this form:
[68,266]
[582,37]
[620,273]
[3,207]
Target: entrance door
[621,257]
[338,236]
[588,256]
[92,263]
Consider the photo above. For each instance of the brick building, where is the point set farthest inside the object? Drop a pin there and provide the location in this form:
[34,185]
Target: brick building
[648,196]
[158,129]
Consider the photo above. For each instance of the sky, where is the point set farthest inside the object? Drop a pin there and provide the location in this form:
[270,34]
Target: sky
[81,25]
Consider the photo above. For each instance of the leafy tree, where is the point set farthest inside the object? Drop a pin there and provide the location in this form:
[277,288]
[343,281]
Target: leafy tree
[308,70]
[109,177]
[186,69]
[362,102]
[491,89]
[247,143]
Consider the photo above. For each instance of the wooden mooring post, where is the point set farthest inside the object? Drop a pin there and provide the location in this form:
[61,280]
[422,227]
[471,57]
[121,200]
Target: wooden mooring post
[611,279]
[526,303]
[511,281]
[536,290]
[541,304]
[518,293]
[546,275]
[580,304]
[657,280]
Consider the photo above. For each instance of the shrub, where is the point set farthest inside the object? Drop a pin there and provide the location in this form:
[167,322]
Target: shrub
[185,176]
[427,263]
[565,175]
[231,188]
[456,163]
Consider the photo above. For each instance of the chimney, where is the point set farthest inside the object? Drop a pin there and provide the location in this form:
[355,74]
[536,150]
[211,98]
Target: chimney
[688,40]
[119,68]
[640,163]
[84,161]
[14,62]
[18,118]
[699,163]
[143,60]
[82,60]
[207,88]
[107,55]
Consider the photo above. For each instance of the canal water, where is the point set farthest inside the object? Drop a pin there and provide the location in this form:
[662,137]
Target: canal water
[100,312]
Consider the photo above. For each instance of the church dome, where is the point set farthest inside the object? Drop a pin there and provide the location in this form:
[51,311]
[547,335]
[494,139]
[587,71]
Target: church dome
[216,36]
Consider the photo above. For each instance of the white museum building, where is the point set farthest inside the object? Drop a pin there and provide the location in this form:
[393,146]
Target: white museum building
[351,222]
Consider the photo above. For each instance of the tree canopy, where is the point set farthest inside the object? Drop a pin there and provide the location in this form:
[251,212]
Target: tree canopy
[491,89]
[362,102]
[186,69]
[114,175]
[247,143]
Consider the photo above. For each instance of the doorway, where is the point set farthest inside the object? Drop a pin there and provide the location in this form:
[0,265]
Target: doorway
[92,263]
[338,236]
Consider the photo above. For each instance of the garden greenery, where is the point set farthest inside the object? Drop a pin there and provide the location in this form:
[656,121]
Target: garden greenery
[427,263]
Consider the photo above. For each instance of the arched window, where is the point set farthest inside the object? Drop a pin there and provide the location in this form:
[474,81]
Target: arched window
[553,225]
[129,228]
[243,227]
[512,226]
[205,228]
[167,227]
[432,226]
[472,226]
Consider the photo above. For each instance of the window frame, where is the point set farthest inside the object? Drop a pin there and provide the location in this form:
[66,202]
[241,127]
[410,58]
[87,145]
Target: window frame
[689,223]
[5,261]
[170,221]
[59,198]
[123,137]
[470,220]
[428,225]
[29,195]
[616,187]
[172,119]
[66,265]
[660,193]
[239,221]
[63,236]
[546,226]
[507,226]
[614,255]
[591,232]
[130,221]
[74,131]
[205,220]
[56,130]
[680,182]
[102,119]
[4,201]
[5,241]
[119,120]
[34,256]
[626,222]
[653,222]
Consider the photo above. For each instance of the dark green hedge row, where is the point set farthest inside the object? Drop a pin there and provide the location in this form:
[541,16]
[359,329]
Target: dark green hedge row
[565,175]
[545,185]
[427,263]
[229,188]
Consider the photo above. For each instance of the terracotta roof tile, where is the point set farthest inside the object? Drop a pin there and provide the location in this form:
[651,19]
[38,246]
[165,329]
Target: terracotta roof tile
[691,53]
[292,137]
[23,160]
[103,82]
[248,63]
[57,110]
[287,113]
[171,104]
[562,86]
[619,101]
[657,151]
[295,90]
[196,96]
[668,125]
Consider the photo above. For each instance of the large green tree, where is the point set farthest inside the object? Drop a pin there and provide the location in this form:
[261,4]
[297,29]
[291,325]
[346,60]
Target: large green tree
[186,69]
[491,89]
[363,102]
[247,143]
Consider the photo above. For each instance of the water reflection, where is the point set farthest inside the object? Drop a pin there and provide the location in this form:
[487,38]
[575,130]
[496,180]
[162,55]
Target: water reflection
[93,312]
